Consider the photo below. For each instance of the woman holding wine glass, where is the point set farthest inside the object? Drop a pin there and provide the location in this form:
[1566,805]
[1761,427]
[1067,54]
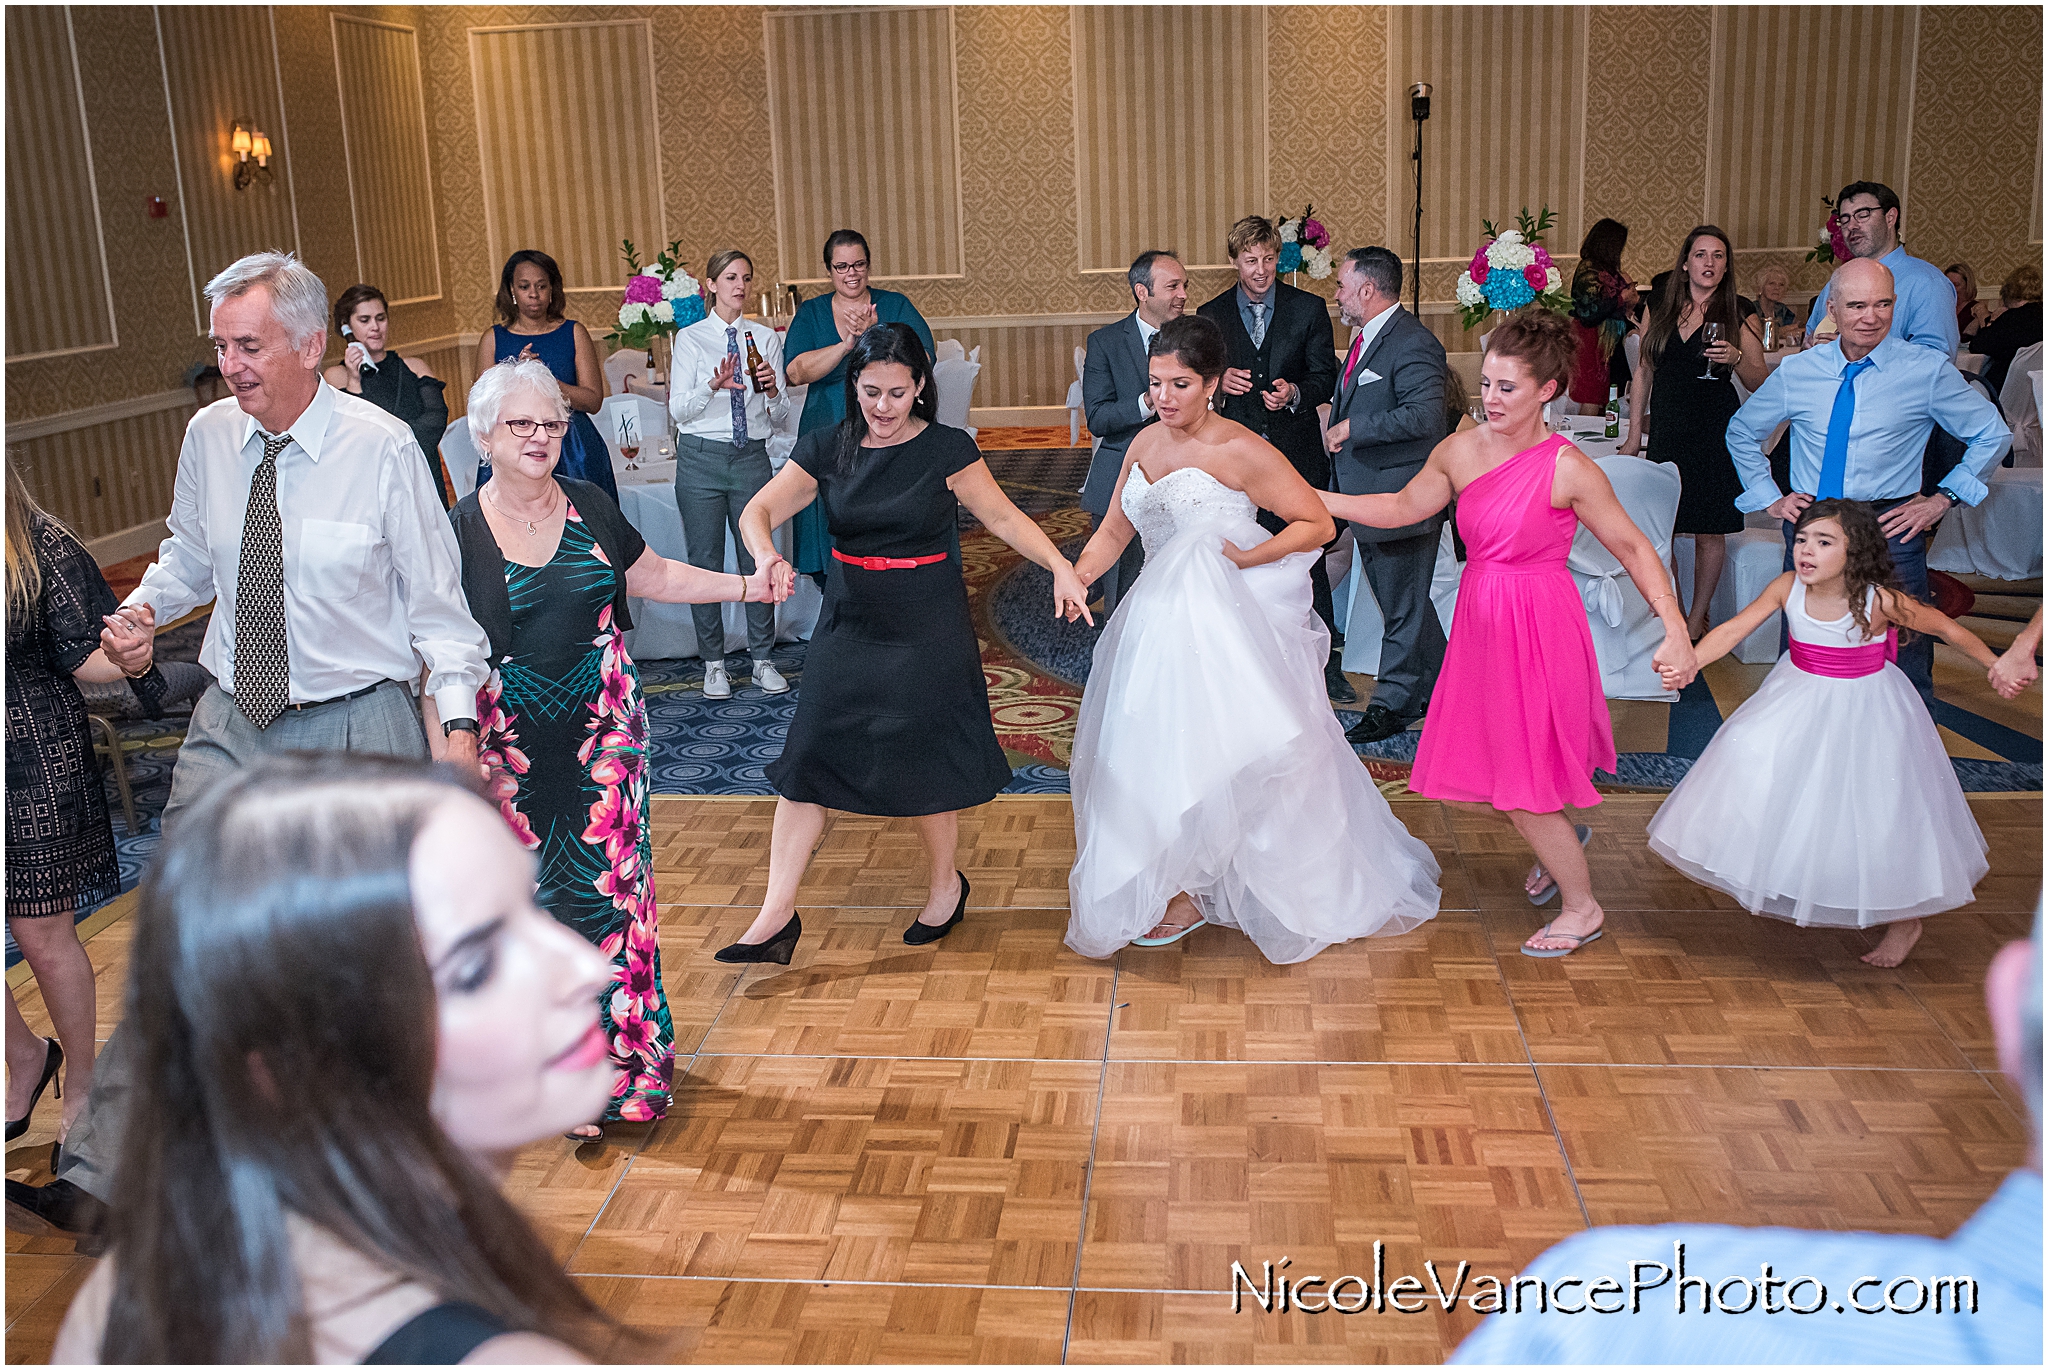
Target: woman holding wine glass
[1697,345]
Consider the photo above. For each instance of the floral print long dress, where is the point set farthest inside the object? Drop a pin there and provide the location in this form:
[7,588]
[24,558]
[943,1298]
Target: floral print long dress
[563,723]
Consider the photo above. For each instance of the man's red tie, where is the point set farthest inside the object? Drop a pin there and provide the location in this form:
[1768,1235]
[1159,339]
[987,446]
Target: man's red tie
[1357,341]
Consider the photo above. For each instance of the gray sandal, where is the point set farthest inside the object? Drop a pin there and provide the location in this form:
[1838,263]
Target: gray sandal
[1585,835]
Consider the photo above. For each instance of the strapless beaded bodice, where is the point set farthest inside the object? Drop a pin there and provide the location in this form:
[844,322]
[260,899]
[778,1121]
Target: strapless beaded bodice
[1180,499]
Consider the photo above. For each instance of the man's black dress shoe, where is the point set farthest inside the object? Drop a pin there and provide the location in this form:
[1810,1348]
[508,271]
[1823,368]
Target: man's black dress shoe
[1333,680]
[1378,724]
[60,1208]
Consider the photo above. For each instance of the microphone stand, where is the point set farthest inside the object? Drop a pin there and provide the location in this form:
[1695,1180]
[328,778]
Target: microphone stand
[1418,110]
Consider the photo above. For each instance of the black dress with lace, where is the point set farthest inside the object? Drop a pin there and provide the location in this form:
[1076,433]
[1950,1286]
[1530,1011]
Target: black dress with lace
[60,840]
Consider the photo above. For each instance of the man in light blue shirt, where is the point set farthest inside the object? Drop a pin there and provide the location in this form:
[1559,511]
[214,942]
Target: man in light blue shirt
[1926,312]
[1773,1295]
[1880,430]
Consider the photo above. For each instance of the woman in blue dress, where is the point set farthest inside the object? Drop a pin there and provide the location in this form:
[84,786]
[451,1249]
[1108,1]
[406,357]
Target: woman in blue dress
[531,325]
[815,348]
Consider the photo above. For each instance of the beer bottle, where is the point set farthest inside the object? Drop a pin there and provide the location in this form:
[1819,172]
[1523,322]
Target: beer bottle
[753,364]
[1613,413]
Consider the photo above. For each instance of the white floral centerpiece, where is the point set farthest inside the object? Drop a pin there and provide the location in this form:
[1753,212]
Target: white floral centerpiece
[1305,245]
[1512,269]
[662,298]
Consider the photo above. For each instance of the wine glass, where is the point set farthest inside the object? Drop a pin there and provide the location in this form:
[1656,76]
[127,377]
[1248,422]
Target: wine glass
[629,443]
[1710,333]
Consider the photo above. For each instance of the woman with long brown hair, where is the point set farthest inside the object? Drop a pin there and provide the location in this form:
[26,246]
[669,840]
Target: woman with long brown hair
[60,838]
[1698,325]
[351,1014]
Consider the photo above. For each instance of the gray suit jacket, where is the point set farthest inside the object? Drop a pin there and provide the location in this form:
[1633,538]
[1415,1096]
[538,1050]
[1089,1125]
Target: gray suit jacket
[1395,420]
[1115,374]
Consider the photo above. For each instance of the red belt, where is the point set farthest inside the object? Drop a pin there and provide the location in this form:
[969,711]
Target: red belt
[887,563]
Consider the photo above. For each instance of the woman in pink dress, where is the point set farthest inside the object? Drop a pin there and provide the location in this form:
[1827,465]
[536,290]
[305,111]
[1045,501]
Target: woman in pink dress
[1518,720]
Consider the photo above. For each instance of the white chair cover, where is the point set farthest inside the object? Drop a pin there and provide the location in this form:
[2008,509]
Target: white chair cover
[625,364]
[1365,626]
[1972,362]
[975,355]
[2020,401]
[950,350]
[1625,633]
[1632,348]
[648,417]
[1756,557]
[458,452]
[782,437]
[1999,537]
[1074,404]
[1466,364]
[955,380]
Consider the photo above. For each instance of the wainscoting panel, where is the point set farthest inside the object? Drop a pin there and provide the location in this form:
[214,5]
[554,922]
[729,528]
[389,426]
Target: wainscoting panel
[863,114]
[109,476]
[384,122]
[59,298]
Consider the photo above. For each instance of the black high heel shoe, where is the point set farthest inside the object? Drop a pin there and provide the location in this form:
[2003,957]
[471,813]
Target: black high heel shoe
[918,934]
[52,1058]
[776,949]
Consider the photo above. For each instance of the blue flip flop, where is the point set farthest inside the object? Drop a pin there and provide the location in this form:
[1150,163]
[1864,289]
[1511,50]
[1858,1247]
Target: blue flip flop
[1585,835]
[1168,941]
[1577,942]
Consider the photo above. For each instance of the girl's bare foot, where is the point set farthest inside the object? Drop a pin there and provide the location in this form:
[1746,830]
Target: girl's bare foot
[1181,914]
[1899,939]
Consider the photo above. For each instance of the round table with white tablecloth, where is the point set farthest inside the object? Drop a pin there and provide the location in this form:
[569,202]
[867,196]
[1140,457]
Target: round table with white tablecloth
[647,497]
[2000,536]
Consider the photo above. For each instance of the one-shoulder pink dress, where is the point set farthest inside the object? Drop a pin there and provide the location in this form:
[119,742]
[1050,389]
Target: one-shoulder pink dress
[1518,719]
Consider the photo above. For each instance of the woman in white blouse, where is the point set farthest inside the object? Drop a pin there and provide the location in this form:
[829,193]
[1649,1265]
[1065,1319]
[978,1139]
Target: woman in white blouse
[723,408]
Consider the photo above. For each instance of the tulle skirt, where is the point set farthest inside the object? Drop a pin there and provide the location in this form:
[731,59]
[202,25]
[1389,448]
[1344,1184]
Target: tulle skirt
[1207,759]
[1826,802]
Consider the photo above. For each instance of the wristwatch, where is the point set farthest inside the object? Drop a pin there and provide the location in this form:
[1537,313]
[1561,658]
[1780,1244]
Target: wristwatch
[459,725]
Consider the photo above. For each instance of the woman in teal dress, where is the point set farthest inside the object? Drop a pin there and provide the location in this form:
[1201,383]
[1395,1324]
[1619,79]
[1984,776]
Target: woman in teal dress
[547,565]
[819,337]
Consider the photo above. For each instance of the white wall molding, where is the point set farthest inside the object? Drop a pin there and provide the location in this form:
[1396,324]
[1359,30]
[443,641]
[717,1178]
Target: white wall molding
[30,429]
[129,542]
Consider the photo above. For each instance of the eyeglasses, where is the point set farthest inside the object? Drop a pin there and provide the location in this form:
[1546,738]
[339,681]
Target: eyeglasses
[1859,216]
[848,268]
[523,428]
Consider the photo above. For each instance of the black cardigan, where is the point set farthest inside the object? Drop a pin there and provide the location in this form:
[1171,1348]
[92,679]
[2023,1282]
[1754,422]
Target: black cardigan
[483,561]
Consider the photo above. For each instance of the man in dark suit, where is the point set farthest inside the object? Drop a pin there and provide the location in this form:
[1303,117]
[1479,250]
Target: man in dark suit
[1283,363]
[1388,415]
[1115,390]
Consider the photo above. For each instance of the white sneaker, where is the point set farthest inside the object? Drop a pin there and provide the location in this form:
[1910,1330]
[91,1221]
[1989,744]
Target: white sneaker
[716,684]
[769,679]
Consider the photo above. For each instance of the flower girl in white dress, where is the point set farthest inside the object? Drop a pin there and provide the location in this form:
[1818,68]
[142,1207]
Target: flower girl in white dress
[1828,799]
[1212,783]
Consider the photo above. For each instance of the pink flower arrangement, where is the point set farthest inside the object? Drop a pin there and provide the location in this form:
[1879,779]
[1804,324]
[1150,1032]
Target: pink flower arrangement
[1314,234]
[643,290]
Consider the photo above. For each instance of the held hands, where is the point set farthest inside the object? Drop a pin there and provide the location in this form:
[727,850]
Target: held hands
[2014,671]
[1278,395]
[726,377]
[1339,433]
[129,639]
[1676,662]
[1912,518]
[1069,595]
[1237,380]
[779,577]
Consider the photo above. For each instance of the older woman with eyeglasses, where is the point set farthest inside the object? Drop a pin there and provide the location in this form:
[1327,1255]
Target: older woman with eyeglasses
[547,565]
[820,337]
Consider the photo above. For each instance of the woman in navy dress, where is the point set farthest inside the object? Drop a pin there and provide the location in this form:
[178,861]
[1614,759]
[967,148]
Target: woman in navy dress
[531,325]
[816,346]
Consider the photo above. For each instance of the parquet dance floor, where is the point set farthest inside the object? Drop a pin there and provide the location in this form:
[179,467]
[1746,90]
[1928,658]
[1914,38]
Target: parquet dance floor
[992,1149]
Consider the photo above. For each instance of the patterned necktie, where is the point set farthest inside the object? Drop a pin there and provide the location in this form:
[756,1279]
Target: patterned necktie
[739,393]
[1258,325]
[262,663]
[1834,460]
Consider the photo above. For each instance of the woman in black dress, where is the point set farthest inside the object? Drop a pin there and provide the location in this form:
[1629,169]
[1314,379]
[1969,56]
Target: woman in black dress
[402,386]
[60,841]
[892,713]
[1691,412]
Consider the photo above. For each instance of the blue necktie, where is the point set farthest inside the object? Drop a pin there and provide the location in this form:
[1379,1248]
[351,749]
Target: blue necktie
[1834,459]
[739,394]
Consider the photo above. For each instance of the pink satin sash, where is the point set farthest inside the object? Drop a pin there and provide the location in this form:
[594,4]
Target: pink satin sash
[1845,663]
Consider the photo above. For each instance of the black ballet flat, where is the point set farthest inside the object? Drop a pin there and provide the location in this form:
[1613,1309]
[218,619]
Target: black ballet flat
[919,934]
[53,1057]
[776,949]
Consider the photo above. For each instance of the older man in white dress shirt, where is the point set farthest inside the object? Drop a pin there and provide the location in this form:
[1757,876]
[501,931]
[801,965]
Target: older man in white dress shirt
[305,515]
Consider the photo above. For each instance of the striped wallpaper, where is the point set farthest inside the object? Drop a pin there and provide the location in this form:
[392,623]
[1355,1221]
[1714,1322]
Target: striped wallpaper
[862,118]
[221,64]
[1169,129]
[384,127]
[1845,75]
[1506,126]
[109,476]
[571,146]
[59,296]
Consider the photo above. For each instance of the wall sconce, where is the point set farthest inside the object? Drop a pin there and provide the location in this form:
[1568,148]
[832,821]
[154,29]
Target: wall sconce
[249,143]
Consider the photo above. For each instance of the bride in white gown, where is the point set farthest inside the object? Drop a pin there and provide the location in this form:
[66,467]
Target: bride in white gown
[1212,783]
